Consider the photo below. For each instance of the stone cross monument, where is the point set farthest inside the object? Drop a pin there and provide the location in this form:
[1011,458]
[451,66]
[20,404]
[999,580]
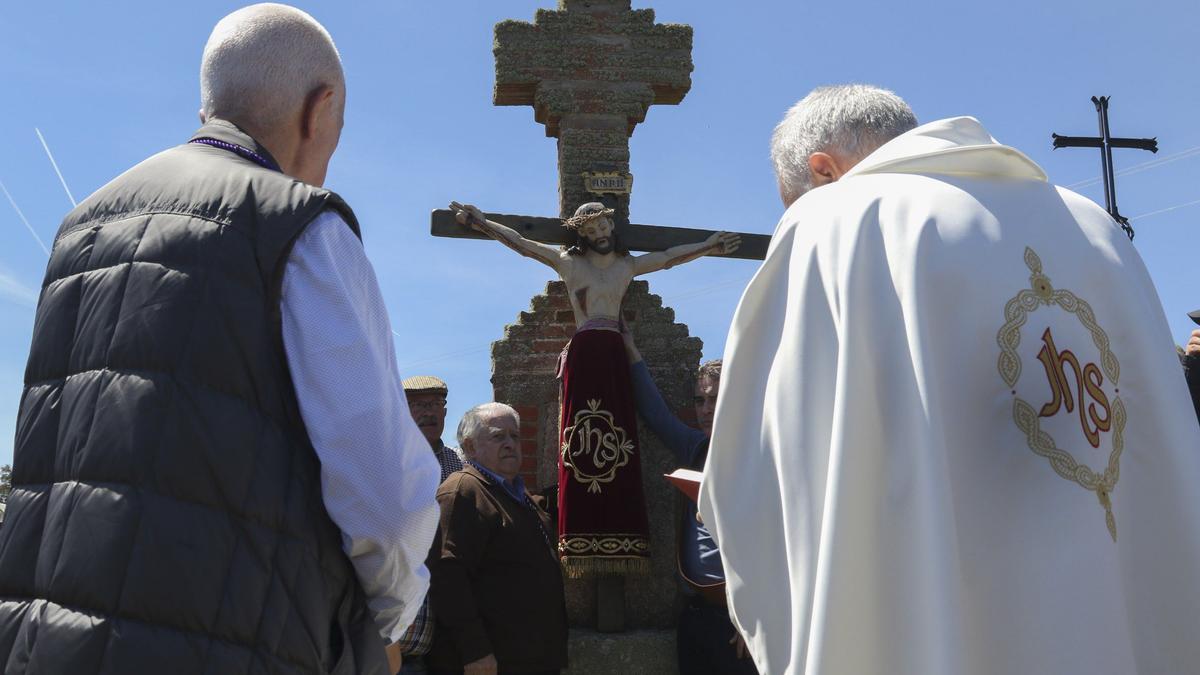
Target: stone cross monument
[591,69]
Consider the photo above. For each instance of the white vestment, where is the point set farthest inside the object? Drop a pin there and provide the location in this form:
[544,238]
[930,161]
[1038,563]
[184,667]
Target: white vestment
[891,484]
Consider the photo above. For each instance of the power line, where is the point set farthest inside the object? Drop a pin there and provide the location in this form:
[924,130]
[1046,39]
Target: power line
[1169,208]
[1144,166]
[406,367]
[475,350]
[705,290]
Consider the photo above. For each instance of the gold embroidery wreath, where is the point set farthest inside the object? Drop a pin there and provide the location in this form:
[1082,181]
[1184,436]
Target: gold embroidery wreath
[607,461]
[1016,311]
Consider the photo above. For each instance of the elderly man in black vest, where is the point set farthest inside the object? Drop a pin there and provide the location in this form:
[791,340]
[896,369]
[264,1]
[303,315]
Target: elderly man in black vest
[215,469]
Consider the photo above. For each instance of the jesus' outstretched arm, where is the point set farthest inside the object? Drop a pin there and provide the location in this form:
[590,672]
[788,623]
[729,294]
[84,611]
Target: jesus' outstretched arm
[473,217]
[720,243]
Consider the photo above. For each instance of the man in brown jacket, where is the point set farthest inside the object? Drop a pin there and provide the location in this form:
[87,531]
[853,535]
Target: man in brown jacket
[496,583]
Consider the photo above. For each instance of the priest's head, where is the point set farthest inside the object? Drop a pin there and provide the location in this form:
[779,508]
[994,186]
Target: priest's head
[829,131]
[273,71]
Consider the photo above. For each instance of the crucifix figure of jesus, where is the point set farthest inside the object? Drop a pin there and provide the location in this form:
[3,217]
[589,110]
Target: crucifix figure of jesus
[595,269]
[602,525]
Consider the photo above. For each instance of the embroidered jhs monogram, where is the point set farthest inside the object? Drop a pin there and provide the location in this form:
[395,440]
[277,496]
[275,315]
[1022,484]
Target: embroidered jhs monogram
[1088,382]
[1074,387]
[594,447]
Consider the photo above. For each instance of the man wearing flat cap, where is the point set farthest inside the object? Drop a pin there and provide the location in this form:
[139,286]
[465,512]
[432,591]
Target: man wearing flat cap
[426,396]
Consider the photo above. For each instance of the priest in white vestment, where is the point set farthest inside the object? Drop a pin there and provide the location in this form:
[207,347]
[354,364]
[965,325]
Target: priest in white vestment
[952,436]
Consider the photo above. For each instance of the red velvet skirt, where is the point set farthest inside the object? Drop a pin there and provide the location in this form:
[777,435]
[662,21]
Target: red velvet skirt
[602,526]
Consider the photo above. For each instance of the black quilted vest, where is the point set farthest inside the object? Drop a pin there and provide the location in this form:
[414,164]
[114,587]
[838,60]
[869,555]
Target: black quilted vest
[166,514]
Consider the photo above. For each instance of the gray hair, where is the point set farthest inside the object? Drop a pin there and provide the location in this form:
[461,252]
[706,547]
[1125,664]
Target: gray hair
[262,61]
[849,120]
[472,420]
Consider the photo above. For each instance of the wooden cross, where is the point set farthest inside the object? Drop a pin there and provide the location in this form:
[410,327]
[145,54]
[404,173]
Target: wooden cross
[591,71]
[1106,143]
[632,237]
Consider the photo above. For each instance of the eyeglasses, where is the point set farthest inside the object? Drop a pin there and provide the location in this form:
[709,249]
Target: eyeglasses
[427,406]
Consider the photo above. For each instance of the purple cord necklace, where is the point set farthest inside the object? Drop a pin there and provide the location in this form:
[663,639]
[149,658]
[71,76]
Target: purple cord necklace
[240,151]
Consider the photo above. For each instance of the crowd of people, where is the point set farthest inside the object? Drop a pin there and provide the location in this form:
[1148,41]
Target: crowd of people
[494,549]
[219,469]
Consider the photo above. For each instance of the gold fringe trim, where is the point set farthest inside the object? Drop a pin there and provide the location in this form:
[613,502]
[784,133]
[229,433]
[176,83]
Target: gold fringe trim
[590,567]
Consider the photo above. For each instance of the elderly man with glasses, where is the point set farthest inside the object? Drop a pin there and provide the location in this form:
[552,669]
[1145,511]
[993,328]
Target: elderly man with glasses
[426,396]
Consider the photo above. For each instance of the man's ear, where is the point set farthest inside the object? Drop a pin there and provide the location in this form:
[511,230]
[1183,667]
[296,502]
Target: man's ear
[468,447]
[200,113]
[316,110]
[824,168]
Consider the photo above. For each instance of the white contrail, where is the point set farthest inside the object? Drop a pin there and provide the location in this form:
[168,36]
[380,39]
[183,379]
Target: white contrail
[55,165]
[24,220]
[13,290]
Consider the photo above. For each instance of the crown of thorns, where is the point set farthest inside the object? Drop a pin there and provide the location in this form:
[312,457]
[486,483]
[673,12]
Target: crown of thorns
[585,214]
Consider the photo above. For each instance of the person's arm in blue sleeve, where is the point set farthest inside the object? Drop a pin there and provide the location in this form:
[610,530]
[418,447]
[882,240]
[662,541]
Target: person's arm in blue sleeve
[679,437]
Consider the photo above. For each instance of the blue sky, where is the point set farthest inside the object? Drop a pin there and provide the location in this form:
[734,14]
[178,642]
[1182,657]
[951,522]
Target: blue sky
[111,83]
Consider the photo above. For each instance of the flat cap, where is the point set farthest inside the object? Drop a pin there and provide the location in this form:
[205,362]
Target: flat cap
[424,384]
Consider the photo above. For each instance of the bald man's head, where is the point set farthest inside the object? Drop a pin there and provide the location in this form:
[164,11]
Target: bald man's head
[260,64]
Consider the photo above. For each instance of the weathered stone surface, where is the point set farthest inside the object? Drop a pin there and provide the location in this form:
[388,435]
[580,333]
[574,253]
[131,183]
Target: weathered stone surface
[524,377]
[591,70]
[641,652]
[596,5]
[591,57]
[583,139]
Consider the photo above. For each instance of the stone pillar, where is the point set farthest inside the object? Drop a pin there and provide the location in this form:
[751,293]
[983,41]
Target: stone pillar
[523,375]
[586,145]
[591,69]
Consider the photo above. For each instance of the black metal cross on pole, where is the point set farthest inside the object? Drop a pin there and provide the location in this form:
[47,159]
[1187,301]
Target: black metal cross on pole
[1106,143]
